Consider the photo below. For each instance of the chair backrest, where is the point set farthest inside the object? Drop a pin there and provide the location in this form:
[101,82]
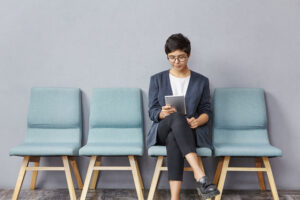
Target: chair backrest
[239,116]
[54,116]
[116,116]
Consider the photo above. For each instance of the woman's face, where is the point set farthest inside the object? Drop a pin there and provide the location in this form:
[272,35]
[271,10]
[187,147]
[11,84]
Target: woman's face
[178,59]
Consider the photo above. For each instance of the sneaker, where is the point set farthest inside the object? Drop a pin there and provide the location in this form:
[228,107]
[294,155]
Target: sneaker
[206,189]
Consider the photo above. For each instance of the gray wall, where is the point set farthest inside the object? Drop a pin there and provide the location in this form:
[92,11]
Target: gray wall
[88,44]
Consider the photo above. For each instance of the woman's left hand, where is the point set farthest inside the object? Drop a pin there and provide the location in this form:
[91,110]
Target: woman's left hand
[193,122]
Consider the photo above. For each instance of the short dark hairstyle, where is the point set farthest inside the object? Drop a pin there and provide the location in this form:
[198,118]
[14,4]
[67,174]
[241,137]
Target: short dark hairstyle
[178,42]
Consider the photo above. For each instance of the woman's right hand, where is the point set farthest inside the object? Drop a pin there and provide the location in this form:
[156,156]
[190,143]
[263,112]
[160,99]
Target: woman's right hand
[166,110]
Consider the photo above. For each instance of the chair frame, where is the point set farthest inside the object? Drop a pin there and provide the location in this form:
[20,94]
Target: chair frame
[159,168]
[95,167]
[223,168]
[36,162]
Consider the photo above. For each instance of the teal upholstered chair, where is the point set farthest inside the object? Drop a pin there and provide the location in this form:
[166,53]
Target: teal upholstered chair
[240,130]
[53,129]
[160,152]
[116,129]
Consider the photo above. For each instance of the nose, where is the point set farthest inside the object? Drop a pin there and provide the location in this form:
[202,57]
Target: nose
[177,60]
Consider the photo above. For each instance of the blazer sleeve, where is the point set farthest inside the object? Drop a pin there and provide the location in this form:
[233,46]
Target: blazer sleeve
[154,106]
[204,105]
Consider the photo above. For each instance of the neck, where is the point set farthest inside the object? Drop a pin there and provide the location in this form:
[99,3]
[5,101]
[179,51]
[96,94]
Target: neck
[180,74]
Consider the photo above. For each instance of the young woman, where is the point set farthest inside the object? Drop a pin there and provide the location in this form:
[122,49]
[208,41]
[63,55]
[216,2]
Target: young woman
[181,133]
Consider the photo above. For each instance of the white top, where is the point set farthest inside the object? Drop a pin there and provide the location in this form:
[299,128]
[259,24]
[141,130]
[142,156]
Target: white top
[179,85]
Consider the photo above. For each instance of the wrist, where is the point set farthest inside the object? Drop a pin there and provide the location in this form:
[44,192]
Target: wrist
[160,116]
[198,121]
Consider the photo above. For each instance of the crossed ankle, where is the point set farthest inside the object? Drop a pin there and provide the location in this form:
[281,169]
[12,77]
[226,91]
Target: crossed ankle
[199,178]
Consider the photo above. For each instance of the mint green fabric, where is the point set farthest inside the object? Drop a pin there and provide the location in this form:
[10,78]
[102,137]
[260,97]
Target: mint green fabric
[54,108]
[53,135]
[239,108]
[243,136]
[111,149]
[116,135]
[54,123]
[251,150]
[114,141]
[240,123]
[116,123]
[45,149]
[116,108]
[162,151]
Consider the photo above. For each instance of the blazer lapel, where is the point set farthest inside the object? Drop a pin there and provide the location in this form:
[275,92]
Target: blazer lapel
[166,86]
[168,83]
[188,94]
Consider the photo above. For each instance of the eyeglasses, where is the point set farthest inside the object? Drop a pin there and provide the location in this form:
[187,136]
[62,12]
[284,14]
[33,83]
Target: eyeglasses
[181,58]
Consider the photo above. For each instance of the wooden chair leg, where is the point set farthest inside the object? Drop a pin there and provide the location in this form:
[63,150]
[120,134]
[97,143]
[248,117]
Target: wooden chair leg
[270,178]
[65,160]
[260,175]
[76,173]
[139,173]
[136,178]
[155,177]
[223,176]
[20,179]
[218,171]
[95,175]
[88,177]
[34,174]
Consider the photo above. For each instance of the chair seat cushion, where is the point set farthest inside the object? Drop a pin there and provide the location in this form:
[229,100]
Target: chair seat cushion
[45,149]
[111,149]
[246,150]
[162,151]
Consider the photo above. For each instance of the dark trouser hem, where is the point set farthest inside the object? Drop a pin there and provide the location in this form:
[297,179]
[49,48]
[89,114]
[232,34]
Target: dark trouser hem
[175,178]
[190,151]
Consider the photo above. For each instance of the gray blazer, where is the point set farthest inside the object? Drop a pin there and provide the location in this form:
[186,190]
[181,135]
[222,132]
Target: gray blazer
[197,101]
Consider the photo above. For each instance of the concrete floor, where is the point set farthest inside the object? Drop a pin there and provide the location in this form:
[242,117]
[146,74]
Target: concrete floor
[109,194]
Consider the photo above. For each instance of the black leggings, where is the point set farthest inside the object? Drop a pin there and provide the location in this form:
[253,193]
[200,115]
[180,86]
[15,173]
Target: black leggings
[174,132]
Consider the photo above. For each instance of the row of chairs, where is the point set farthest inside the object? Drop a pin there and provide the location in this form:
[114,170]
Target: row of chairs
[54,128]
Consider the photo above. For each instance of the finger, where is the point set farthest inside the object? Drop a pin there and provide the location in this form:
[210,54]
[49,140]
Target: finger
[193,125]
[168,112]
[164,108]
[167,107]
[171,111]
